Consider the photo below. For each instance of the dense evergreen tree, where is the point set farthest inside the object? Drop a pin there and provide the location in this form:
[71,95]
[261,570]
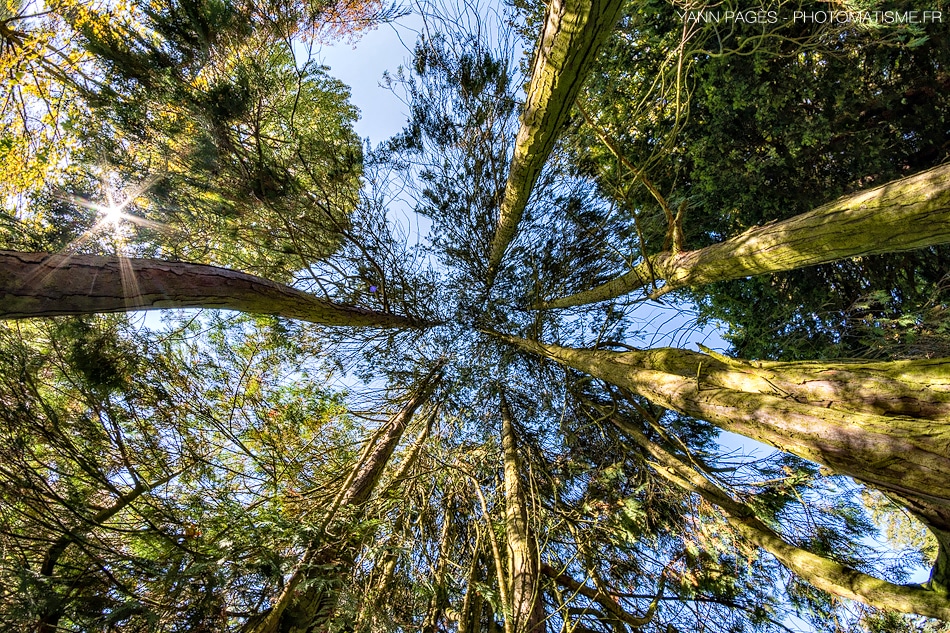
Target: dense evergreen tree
[251,472]
[730,126]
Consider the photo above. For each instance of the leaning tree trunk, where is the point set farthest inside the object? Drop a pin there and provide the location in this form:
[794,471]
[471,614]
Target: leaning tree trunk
[931,600]
[527,608]
[385,569]
[44,284]
[886,424]
[324,566]
[573,33]
[902,215]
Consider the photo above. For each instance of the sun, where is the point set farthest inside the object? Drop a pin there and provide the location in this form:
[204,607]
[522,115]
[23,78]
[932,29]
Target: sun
[112,214]
[109,215]
[114,223]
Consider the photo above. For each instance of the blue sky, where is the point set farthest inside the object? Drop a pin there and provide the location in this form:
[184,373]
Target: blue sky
[361,66]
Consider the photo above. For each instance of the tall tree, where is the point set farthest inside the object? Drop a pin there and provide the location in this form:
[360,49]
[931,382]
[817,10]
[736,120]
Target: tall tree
[308,599]
[735,129]
[527,603]
[592,509]
[820,571]
[42,284]
[570,39]
[149,480]
[881,423]
[901,215]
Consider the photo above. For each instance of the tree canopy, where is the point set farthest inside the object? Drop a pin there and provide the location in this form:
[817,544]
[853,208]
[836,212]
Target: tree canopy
[324,423]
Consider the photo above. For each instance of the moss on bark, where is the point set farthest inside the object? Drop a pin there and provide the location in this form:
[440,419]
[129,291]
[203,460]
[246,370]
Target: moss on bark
[573,33]
[902,215]
[886,424]
[824,573]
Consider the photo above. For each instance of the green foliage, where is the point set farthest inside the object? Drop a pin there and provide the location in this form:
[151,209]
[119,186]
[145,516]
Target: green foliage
[749,123]
[225,149]
[224,97]
[463,113]
[176,478]
[232,457]
[807,128]
[102,360]
[902,531]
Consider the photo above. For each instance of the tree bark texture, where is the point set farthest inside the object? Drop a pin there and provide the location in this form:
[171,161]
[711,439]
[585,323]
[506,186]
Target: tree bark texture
[823,573]
[572,35]
[901,215]
[45,284]
[886,424]
[527,608]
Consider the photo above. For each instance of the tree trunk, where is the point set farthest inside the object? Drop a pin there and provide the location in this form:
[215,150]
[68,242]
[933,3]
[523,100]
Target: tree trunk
[44,284]
[467,623]
[527,608]
[324,567]
[435,613]
[902,215]
[573,33]
[385,569]
[824,573]
[886,424]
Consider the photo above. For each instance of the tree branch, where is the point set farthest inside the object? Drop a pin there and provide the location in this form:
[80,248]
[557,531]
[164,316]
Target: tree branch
[902,215]
[46,284]
[606,601]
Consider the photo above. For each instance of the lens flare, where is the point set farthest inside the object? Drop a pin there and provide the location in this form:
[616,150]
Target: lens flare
[112,214]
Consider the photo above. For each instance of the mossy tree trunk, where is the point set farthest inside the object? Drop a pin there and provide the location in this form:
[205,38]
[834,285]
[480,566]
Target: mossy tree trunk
[931,600]
[527,607]
[45,284]
[886,424]
[572,35]
[902,215]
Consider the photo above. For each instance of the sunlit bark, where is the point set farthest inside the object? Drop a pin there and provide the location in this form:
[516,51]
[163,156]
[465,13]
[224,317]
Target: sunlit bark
[902,215]
[822,572]
[44,284]
[573,33]
[886,424]
[527,609]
